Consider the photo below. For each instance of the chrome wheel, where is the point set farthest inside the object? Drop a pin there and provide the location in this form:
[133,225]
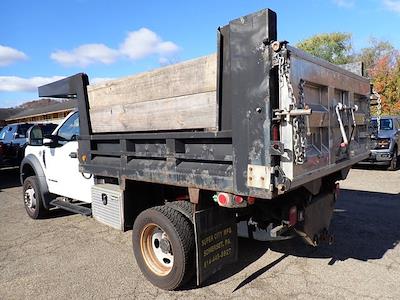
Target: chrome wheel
[30,198]
[33,199]
[156,249]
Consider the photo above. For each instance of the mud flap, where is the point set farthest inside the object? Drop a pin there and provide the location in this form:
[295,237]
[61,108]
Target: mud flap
[317,217]
[216,241]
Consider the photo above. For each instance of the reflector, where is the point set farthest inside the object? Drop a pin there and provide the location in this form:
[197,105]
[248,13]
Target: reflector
[238,199]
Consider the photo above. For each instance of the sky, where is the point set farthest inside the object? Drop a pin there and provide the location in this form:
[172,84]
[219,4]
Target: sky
[45,40]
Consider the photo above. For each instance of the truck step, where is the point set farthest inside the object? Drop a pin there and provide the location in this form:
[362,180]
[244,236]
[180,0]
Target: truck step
[72,207]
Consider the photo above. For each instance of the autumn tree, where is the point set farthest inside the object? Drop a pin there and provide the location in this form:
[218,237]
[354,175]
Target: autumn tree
[376,50]
[385,75]
[334,47]
[382,65]
[381,61]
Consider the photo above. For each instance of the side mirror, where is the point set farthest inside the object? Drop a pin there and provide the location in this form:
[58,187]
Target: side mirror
[35,136]
[49,142]
[52,141]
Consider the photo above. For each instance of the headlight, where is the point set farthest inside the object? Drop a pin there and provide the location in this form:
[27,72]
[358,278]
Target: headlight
[383,144]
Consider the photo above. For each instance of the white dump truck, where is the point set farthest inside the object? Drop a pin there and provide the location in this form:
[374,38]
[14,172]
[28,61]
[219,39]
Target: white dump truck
[247,142]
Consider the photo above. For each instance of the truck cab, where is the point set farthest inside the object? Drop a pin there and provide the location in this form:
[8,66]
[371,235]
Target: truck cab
[385,142]
[53,165]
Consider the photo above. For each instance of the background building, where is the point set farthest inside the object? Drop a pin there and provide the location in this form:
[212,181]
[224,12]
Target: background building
[5,113]
[52,113]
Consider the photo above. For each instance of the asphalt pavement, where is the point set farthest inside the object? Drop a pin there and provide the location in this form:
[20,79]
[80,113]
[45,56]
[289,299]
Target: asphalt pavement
[73,257]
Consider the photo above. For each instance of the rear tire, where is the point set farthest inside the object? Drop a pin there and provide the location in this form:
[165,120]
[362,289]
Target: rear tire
[163,244]
[394,161]
[33,198]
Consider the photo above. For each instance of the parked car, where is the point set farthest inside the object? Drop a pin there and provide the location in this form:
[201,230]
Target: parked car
[13,141]
[386,141]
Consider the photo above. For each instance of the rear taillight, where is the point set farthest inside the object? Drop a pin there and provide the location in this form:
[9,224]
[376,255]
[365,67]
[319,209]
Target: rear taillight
[229,200]
[251,200]
[223,199]
[238,199]
[293,216]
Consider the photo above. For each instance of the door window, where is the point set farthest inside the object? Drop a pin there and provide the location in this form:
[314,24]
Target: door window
[22,129]
[69,131]
[386,124]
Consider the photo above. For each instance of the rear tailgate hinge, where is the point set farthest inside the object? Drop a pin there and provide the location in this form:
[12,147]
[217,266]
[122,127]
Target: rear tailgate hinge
[268,178]
[280,180]
[277,148]
[292,109]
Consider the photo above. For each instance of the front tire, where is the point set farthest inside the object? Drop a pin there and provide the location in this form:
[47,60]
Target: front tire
[33,198]
[163,244]
[394,161]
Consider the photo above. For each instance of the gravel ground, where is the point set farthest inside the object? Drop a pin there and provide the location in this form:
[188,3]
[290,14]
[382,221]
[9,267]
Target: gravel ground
[73,257]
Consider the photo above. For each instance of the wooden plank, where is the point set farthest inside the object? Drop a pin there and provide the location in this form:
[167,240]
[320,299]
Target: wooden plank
[185,112]
[186,78]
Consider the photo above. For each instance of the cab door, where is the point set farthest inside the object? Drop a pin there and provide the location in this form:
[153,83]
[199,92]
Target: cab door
[62,164]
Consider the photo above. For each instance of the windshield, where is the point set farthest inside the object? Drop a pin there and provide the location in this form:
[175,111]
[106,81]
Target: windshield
[3,133]
[386,124]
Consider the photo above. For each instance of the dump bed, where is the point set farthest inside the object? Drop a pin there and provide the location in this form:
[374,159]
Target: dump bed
[259,118]
[176,97]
